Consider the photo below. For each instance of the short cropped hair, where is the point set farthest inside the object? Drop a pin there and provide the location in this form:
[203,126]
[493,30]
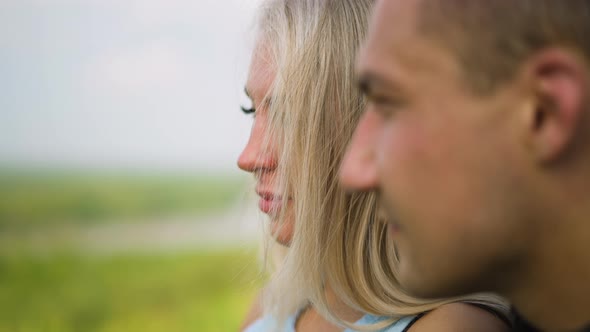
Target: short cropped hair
[492,38]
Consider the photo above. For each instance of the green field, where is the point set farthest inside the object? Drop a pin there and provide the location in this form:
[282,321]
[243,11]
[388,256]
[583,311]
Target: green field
[33,200]
[65,290]
[206,291]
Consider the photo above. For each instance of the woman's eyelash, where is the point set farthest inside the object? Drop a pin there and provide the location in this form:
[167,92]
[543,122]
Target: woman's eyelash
[248,110]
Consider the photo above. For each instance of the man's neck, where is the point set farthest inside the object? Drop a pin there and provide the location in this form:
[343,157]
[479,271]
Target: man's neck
[521,325]
[554,292]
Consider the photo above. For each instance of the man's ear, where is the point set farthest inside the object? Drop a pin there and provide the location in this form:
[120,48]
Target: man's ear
[560,86]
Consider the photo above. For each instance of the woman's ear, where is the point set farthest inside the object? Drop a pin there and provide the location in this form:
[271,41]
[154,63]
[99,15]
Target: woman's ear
[560,92]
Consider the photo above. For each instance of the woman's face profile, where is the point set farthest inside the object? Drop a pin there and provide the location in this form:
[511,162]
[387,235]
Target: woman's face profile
[259,156]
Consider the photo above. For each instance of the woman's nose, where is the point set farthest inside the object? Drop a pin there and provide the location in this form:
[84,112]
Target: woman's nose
[257,154]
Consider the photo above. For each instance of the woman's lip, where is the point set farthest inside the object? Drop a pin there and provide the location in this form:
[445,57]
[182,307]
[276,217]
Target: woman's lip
[265,193]
[269,195]
[269,204]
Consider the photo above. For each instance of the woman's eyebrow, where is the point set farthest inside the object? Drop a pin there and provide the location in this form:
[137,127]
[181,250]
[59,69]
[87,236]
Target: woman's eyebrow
[266,102]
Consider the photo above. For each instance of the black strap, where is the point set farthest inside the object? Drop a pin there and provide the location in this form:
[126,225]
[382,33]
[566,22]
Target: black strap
[492,311]
[413,321]
[479,305]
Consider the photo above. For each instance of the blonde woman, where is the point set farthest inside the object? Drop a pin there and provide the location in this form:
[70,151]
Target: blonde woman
[338,271]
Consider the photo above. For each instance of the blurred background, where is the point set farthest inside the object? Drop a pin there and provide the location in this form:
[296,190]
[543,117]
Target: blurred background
[121,208]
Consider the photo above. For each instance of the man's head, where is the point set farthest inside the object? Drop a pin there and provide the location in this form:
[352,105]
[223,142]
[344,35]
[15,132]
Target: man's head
[476,134]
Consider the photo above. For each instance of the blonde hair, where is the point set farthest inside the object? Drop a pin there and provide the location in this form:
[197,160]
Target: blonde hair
[339,238]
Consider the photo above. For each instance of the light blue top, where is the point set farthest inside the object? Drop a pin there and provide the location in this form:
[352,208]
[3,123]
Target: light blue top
[266,323]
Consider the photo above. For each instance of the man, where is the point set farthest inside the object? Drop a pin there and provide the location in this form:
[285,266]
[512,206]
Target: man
[477,138]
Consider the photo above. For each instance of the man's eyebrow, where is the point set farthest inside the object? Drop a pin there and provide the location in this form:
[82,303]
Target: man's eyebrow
[368,82]
[364,83]
[247,93]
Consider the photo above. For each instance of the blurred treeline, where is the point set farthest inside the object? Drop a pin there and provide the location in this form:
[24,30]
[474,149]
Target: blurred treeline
[36,199]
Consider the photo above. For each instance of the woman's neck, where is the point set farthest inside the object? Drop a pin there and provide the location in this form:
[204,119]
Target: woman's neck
[310,320]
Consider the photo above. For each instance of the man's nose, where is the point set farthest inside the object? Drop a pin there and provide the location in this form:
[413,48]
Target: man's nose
[358,171]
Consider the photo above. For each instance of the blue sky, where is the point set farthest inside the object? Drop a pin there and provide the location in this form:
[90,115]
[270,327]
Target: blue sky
[151,84]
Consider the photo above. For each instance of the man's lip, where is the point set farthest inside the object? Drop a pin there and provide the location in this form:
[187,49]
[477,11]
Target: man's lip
[393,228]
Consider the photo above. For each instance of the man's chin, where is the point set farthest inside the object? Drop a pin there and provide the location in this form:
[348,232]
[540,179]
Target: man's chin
[413,286]
[416,284]
[423,290]
[420,285]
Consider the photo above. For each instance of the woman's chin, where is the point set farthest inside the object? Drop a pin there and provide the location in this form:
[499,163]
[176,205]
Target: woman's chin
[282,233]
